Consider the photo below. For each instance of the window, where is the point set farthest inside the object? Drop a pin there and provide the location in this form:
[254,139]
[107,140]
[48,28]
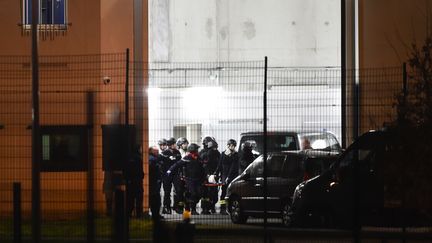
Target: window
[64,148]
[51,12]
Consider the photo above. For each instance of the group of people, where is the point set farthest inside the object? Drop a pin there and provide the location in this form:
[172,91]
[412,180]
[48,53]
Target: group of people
[195,173]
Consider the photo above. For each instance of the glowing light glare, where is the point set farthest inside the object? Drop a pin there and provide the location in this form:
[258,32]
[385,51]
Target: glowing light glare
[203,102]
[153,95]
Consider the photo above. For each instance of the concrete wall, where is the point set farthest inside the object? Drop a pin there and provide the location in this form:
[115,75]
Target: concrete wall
[289,32]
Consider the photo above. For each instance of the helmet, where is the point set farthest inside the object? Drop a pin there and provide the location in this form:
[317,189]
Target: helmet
[232,142]
[206,140]
[171,141]
[181,141]
[212,144]
[193,147]
[247,145]
[162,141]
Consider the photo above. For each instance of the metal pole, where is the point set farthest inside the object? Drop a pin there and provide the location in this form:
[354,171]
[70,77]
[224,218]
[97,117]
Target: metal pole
[36,217]
[127,89]
[265,148]
[90,172]
[343,73]
[128,148]
[405,80]
[17,212]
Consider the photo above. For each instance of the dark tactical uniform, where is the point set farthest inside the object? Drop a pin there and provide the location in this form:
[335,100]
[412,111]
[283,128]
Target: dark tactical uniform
[155,180]
[228,169]
[134,175]
[210,157]
[194,176]
[246,157]
[169,158]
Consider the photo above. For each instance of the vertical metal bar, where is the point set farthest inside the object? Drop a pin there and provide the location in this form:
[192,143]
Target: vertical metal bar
[36,217]
[405,80]
[343,73]
[128,147]
[90,171]
[265,148]
[17,212]
[127,89]
[355,78]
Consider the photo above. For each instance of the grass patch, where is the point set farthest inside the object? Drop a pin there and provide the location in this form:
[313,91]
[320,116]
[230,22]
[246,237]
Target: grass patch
[77,228]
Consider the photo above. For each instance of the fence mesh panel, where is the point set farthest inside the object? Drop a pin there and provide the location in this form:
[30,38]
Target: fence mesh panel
[87,123]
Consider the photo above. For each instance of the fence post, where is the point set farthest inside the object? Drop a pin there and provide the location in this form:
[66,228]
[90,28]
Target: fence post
[405,79]
[17,212]
[120,231]
[90,170]
[265,148]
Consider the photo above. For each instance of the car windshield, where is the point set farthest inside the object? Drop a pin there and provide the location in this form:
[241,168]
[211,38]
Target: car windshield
[275,143]
[322,141]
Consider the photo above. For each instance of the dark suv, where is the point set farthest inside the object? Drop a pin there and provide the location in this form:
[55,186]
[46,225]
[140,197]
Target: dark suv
[360,188]
[285,170]
[289,140]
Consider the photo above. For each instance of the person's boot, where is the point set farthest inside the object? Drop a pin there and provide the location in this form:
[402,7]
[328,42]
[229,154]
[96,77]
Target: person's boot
[223,210]
[166,210]
[213,209]
[194,212]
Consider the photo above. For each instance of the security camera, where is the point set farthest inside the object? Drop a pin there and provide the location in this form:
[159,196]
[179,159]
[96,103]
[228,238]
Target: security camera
[106,80]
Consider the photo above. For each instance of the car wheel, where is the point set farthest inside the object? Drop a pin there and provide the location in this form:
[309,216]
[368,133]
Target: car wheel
[287,215]
[236,213]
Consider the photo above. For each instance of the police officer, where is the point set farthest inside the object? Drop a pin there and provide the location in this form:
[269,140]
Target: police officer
[155,180]
[228,169]
[182,144]
[246,156]
[210,156]
[194,176]
[134,176]
[169,157]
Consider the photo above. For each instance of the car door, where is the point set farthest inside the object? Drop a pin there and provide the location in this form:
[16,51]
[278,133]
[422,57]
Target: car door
[275,182]
[252,189]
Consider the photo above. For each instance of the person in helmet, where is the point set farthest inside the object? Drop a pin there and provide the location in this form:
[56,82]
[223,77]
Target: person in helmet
[228,169]
[246,156]
[182,144]
[162,145]
[169,157]
[210,156]
[194,176]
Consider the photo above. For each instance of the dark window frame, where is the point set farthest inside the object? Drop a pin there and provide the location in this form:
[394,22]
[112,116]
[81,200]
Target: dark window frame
[53,164]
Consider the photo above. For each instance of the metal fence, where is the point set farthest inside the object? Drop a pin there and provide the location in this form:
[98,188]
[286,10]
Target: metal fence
[94,109]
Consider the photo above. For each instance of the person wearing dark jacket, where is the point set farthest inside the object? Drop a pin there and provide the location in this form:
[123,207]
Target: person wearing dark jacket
[134,176]
[169,157]
[155,179]
[210,156]
[246,156]
[194,176]
[228,170]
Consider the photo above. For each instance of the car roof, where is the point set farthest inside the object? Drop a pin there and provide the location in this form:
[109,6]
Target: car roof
[285,132]
[312,153]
